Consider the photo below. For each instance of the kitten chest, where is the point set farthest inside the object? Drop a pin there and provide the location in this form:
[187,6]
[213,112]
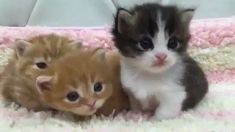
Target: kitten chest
[145,87]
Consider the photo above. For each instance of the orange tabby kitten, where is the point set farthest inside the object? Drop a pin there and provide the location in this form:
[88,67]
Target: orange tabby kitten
[84,83]
[32,58]
[119,100]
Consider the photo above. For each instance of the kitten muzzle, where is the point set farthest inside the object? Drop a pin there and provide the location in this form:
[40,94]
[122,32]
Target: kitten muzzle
[160,59]
[91,104]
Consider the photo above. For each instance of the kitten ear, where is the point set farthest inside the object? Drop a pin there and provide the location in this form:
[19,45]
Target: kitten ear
[76,44]
[21,46]
[99,53]
[44,83]
[124,20]
[187,15]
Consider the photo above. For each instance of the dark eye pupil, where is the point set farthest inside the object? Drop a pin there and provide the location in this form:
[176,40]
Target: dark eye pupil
[98,87]
[41,65]
[72,96]
[172,43]
[146,44]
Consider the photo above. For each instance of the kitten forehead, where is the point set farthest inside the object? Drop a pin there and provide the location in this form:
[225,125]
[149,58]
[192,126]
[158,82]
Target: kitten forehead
[161,37]
[160,22]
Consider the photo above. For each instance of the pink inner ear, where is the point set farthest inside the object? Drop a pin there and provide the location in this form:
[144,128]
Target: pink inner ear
[44,86]
[44,83]
[20,50]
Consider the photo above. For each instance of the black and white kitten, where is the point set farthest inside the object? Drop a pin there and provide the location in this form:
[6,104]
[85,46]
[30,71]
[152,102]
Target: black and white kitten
[156,70]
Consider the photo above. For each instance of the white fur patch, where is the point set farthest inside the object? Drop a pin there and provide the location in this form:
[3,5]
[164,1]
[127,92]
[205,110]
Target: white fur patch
[165,87]
[99,103]
[146,81]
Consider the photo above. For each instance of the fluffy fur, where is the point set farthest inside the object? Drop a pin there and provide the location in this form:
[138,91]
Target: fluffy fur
[31,59]
[156,70]
[119,100]
[81,77]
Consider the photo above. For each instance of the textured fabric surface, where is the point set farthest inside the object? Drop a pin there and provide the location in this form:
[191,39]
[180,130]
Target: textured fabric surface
[212,45]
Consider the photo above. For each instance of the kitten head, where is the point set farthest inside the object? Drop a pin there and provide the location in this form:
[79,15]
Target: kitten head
[35,55]
[151,36]
[81,83]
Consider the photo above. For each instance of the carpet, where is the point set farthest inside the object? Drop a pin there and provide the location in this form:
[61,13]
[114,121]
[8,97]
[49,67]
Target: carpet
[212,45]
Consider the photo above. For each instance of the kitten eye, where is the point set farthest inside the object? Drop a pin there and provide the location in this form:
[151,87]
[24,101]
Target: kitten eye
[173,43]
[145,44]
[98,87]
[72,96]
[41,65]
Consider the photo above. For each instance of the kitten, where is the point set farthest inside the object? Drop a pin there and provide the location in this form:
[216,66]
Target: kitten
[32,58]
[156,70]
[86,86]
[119,100]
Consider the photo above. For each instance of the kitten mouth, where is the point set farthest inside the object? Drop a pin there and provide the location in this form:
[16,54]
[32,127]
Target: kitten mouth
[92,108]
[92,111]
[159,63]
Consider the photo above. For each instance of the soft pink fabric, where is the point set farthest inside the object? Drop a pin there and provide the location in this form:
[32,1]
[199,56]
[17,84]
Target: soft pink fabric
[205,34]
[213,33]
[227,76]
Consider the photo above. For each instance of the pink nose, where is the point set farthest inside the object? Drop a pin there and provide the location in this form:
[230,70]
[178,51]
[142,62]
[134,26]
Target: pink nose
[161,56]
[91,103]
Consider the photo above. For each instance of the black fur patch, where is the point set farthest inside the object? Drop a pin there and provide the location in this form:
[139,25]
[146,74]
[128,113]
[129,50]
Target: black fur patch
[195,83]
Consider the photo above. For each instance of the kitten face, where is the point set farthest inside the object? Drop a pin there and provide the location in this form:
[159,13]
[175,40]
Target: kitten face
[152,37]
[34,56]
[80,87]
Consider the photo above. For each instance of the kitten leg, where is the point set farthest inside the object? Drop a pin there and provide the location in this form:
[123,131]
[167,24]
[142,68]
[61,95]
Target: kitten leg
[170,105]
[134,103]
[138,100]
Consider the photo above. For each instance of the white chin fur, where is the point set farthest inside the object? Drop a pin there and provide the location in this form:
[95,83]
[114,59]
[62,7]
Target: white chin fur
[158,69]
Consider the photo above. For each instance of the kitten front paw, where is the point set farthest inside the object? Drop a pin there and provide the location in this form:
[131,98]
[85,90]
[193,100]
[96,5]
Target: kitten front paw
[164,115]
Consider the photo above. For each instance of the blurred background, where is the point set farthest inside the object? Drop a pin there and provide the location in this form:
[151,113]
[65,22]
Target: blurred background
[93,13]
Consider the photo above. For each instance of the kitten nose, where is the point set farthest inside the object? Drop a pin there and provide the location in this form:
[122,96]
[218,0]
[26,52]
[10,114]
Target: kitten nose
[161,56]
[91,103]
